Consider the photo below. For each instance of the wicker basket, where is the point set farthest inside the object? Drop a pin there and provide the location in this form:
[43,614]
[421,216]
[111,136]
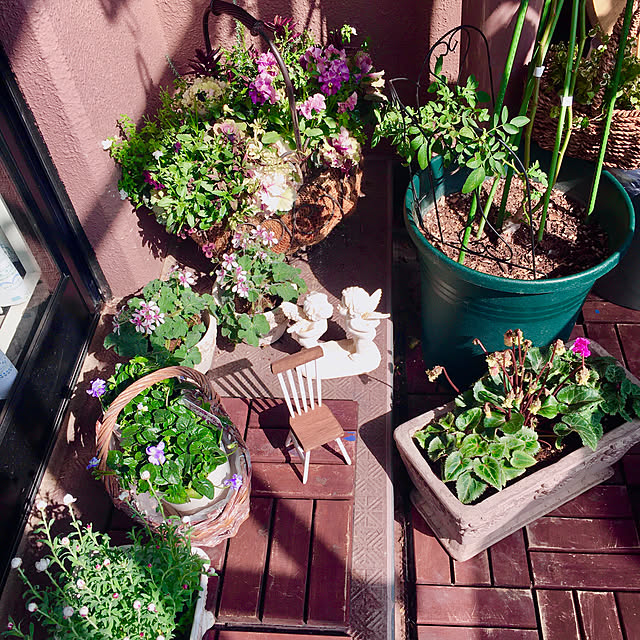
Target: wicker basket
[325,198]
[212,525]
[623,146]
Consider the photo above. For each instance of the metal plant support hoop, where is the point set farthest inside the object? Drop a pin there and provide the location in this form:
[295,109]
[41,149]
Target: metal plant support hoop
[448,44]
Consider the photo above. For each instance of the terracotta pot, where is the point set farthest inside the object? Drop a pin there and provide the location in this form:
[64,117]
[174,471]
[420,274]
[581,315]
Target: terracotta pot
[466,530]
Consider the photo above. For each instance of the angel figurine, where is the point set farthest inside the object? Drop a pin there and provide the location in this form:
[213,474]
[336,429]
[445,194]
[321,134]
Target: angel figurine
[310,319]
[358,307]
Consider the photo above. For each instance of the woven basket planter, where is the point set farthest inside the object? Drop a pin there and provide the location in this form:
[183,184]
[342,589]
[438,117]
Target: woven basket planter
[215,523]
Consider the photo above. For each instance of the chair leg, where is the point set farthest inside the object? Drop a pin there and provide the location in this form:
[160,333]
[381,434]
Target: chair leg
[305,475]
[347,459]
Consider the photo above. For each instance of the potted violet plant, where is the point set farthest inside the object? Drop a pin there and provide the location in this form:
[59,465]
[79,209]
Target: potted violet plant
[156,587]
[501,242]
[542,426]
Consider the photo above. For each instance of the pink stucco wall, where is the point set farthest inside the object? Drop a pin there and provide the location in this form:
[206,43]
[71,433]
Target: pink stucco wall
[81,63]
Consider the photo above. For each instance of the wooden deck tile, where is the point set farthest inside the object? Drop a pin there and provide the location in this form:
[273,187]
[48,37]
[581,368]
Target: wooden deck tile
[475,633]
[329,573]
[273,413]
[475,606]
[431,560]
[600,572]
[558,617]
[577,332]
[238,410]
[630,337]
[603,501]
[606,336]
[631,466]
[287,576]
[602,311]
[333,481]
[573,534]
[216,556]
[224,634]
[509,561]
[267,445]
[629,611]
[242,579]
[599,615]
[474,571]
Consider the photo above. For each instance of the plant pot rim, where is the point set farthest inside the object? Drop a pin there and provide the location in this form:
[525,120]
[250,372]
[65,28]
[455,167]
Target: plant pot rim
[501,283]
[403,436]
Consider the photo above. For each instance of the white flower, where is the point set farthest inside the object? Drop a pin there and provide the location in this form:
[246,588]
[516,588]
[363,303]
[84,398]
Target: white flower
[145,475]
[69,499]
[64,541]
[160,638]
[42,564]
[142,407]
[151,607]
[31,607]
[107,562]
[186,519]
[123,194]
[106,144]
[83,611]
[137,605]
[67,612]
[80,583]
[157,154]
[123,495]
[41,505]
[16,562]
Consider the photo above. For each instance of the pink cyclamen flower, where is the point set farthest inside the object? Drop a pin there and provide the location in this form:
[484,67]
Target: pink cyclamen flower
[581,347]
[156,453]
[9,625]
[349,104]
[98,387]
[83,611]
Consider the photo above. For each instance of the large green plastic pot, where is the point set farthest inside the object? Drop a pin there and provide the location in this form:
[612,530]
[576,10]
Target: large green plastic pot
[460,304]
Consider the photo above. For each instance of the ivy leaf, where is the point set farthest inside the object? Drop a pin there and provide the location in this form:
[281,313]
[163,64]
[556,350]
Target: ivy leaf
[474,180]
[488,469]
[614,373]
[469,488]
[170,472]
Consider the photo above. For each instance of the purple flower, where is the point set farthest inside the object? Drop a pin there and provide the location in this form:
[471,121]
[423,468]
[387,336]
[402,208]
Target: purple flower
[98,387]
[581,347]
[93,463]
[261,90]
[315,103]
[177,146]
[312,54]
[267,64]
[156,454]
[349,104]
[235,481]
[149,180]
[332,75]
[208,249]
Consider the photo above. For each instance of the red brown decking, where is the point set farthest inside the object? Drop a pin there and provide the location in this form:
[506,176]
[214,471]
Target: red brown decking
[288,568]
[572,575]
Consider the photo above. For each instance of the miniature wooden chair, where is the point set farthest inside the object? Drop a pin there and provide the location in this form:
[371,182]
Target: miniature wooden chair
[311,423]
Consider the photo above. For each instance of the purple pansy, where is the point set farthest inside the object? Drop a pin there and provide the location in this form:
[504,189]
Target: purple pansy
[149,180]
[156,453]
[581,347]
[93,463]
[315,103]
[235,481]
[98,387]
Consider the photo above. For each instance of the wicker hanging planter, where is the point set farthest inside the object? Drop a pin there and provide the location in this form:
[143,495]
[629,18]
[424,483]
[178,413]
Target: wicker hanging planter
[623,146]
[213,524]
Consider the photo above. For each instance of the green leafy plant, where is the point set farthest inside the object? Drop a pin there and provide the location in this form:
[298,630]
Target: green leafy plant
[97,591]
[530,398]
[251,280]
[220,149]
[162,441]
[165,323]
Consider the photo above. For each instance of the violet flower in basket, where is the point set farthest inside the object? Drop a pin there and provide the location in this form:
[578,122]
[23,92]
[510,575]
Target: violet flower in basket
[533,403]
[222,148]
[89,588]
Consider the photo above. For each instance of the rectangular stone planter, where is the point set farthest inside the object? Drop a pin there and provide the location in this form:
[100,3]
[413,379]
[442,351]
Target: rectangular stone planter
[466,530]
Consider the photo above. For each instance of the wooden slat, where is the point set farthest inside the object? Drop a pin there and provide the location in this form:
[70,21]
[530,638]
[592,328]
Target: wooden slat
[330,481]
[475,606]
[606,336]
[474,571]
[296,359]
[272,413]
[577,332]
[630,336]
[509,561]
[602,501]
[330,564]
[216,556]
[596,571]
[599,616]
[238,410]
[475,633]
[558,619]
[602,311]
[284,596]
[242,579]
[267,445]
[629,610]
[431,560]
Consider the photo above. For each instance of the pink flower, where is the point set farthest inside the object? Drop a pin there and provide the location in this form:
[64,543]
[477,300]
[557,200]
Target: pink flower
[349,104]
[312,54]
[315,103]
[208,249]
[116,596]
[229,261]
[151,607]
[261,90]
[267,64]
[581,347]
[241,288]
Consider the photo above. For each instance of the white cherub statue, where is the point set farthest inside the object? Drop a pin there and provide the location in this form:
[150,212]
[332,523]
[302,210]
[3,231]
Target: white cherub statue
[310,319]
[358,307]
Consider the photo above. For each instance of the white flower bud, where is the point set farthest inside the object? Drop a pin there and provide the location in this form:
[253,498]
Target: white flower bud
[68,499]
[41,505]
[16,562]
[31,607]
[67,612]
[42,564]
[145,475]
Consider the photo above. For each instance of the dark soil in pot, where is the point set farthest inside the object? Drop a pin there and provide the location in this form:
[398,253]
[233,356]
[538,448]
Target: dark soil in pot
[570,245]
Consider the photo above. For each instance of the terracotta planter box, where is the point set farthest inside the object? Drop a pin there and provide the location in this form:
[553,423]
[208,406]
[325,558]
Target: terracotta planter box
[466,530]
